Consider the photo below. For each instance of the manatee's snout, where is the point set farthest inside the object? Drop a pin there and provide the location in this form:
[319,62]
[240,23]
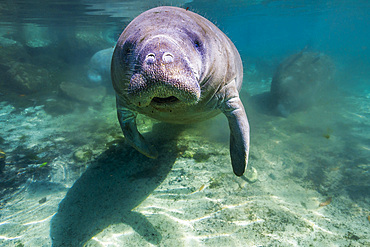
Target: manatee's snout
[166,58]
[163,76]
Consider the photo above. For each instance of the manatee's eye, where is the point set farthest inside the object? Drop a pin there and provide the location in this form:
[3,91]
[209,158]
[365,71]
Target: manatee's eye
[195,39]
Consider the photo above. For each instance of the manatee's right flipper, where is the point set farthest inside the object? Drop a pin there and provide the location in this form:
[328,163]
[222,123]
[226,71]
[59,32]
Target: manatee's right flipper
[233,109]
[127,120]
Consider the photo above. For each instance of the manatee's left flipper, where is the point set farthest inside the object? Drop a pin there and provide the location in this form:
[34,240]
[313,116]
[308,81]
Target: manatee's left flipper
[127,120]
[233,108]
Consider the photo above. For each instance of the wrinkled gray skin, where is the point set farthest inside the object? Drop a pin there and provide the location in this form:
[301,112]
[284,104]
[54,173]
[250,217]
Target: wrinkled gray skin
[176,66]
[300,80]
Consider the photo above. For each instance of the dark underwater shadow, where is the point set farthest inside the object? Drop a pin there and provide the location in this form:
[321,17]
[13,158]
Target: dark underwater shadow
[115,183]
[264,103]
[267,103]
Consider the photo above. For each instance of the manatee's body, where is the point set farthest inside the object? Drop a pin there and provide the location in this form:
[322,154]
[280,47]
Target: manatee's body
[99,66]
[299,81]
[176,66]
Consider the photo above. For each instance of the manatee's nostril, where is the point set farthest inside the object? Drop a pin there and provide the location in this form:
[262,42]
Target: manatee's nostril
[167,57]
[150,58]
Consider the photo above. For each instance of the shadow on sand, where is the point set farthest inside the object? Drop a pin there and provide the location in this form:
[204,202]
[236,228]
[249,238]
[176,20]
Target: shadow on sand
[115,183]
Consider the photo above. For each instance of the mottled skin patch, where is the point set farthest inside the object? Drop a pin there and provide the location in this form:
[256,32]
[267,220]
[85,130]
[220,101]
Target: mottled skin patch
[176,66]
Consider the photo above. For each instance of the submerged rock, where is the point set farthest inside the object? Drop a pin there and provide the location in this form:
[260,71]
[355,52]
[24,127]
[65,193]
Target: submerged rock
[84,94]
[251,175]
[5,42]
[59,106]
[36,36]
[28,78]
[82,155]
[12,53]
[82,42]
[2,160]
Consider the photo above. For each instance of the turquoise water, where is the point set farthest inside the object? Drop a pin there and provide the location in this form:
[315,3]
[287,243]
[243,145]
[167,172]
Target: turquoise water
[68,178]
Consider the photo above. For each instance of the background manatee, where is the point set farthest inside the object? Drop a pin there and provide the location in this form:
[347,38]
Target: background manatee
[99,66]
[299,80]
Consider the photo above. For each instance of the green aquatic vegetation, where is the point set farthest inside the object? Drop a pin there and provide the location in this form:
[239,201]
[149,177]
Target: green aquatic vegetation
[42,200]
[32,156]
[115,142]
[2,160]
[82,155]
[43,164]
[216,182]
[328,133]
[201,157]
[22,138]
[2,140]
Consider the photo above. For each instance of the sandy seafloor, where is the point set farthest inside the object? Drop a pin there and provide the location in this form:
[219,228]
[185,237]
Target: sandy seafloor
[71,180]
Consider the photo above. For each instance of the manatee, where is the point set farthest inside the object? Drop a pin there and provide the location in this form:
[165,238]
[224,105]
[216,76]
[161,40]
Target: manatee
[99,66]
[175,66]
[300,80]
